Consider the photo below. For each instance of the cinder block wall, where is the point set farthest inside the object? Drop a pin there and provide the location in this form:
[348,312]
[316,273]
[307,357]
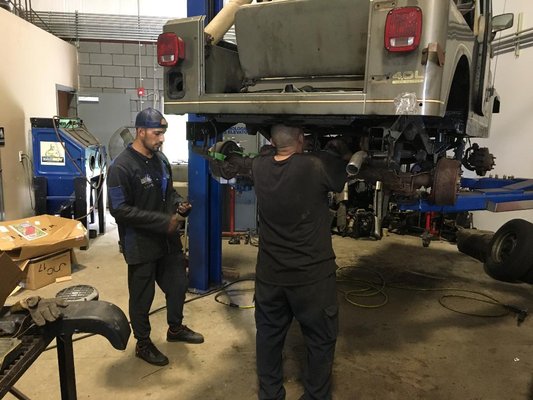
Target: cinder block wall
[114,67]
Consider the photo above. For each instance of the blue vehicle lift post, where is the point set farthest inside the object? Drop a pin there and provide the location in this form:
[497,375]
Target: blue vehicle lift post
[205,244]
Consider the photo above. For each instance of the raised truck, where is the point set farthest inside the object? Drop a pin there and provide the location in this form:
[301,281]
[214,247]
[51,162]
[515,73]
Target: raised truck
[406,83]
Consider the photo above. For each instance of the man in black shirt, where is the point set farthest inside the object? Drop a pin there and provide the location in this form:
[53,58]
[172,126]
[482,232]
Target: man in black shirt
[295,275]
[144,204]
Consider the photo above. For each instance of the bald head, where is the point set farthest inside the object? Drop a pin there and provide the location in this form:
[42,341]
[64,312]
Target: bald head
[286,136]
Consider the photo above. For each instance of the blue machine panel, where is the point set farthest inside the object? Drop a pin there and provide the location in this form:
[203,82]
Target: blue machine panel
[63,151]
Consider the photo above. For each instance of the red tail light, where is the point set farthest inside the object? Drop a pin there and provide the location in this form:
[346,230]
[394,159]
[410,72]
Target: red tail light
[170,49]
[403,29]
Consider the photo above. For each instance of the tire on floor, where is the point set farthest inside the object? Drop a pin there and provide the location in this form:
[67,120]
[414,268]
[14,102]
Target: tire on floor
[474,243]
[510,256]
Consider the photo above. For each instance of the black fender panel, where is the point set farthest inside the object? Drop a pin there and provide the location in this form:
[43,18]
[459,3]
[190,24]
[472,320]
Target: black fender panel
[97,317]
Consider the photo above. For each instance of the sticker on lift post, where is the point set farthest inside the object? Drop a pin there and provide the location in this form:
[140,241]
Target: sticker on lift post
[52,153]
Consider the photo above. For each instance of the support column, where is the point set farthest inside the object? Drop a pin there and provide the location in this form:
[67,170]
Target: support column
[205,244]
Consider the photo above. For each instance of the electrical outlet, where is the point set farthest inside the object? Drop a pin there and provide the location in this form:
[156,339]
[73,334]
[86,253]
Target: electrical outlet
[20,156]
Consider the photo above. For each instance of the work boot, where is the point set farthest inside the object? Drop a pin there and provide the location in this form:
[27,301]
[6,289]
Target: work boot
[146,350]
[184,334]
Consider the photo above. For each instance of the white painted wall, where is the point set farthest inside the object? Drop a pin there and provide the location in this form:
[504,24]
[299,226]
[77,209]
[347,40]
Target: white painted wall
[176,146]
[33,63]
[511,136]
[155,8]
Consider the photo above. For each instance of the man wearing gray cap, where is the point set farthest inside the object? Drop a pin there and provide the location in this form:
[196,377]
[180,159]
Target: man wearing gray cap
[144,205]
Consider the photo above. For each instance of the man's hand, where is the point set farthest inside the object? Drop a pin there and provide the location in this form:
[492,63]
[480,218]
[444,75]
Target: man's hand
[42,310]
[184,208]
[173,224]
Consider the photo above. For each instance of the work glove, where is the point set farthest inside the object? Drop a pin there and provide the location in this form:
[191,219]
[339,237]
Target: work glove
[42,310]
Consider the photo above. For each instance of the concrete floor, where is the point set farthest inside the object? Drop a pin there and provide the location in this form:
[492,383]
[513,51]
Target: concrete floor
[411,348]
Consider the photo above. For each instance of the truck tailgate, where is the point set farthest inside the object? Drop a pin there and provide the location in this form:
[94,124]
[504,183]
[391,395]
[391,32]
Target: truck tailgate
[297,38]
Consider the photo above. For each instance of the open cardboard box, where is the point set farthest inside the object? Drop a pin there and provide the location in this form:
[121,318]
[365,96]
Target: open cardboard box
[40,248]
[32,237]
[44,270]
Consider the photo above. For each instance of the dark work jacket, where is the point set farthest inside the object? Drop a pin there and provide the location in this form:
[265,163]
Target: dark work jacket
[142,201]
[294,220]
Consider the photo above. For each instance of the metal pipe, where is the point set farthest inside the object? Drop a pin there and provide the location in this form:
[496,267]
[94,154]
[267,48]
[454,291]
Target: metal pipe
[513,40]
[217,28]
[512,35]
[354,165]
[231,210]
[378,210]
[513,48]
[343,196]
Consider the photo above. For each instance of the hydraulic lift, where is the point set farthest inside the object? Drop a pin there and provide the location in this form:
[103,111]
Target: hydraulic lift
[205,194]
[477,194]
[492,194]
[205,245]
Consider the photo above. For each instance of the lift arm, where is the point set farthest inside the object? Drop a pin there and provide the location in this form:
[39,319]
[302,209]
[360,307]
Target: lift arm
[492,194]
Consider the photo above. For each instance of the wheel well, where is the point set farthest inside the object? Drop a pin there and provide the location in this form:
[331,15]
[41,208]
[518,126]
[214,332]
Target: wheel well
[459,96]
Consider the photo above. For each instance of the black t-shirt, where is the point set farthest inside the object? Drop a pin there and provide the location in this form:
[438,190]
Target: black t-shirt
[294,220]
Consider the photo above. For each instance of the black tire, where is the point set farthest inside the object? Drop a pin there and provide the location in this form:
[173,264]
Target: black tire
[529,277]
[510,256]
[474,243]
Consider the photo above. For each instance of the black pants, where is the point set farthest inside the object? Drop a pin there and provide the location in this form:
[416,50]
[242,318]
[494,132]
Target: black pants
[315,307]
[169,273]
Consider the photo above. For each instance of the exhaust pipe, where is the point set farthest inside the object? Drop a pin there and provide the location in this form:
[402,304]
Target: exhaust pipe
[354,165]
[217,28]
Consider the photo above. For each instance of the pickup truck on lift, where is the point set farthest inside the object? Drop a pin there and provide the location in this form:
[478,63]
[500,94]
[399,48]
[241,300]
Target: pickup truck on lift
[402,81]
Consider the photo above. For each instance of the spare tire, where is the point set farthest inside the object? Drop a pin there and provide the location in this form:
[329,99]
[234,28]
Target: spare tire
[510,254]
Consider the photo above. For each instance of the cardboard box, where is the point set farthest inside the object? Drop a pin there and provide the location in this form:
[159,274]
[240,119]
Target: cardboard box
[44,270]
[10,276]
[28,238]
